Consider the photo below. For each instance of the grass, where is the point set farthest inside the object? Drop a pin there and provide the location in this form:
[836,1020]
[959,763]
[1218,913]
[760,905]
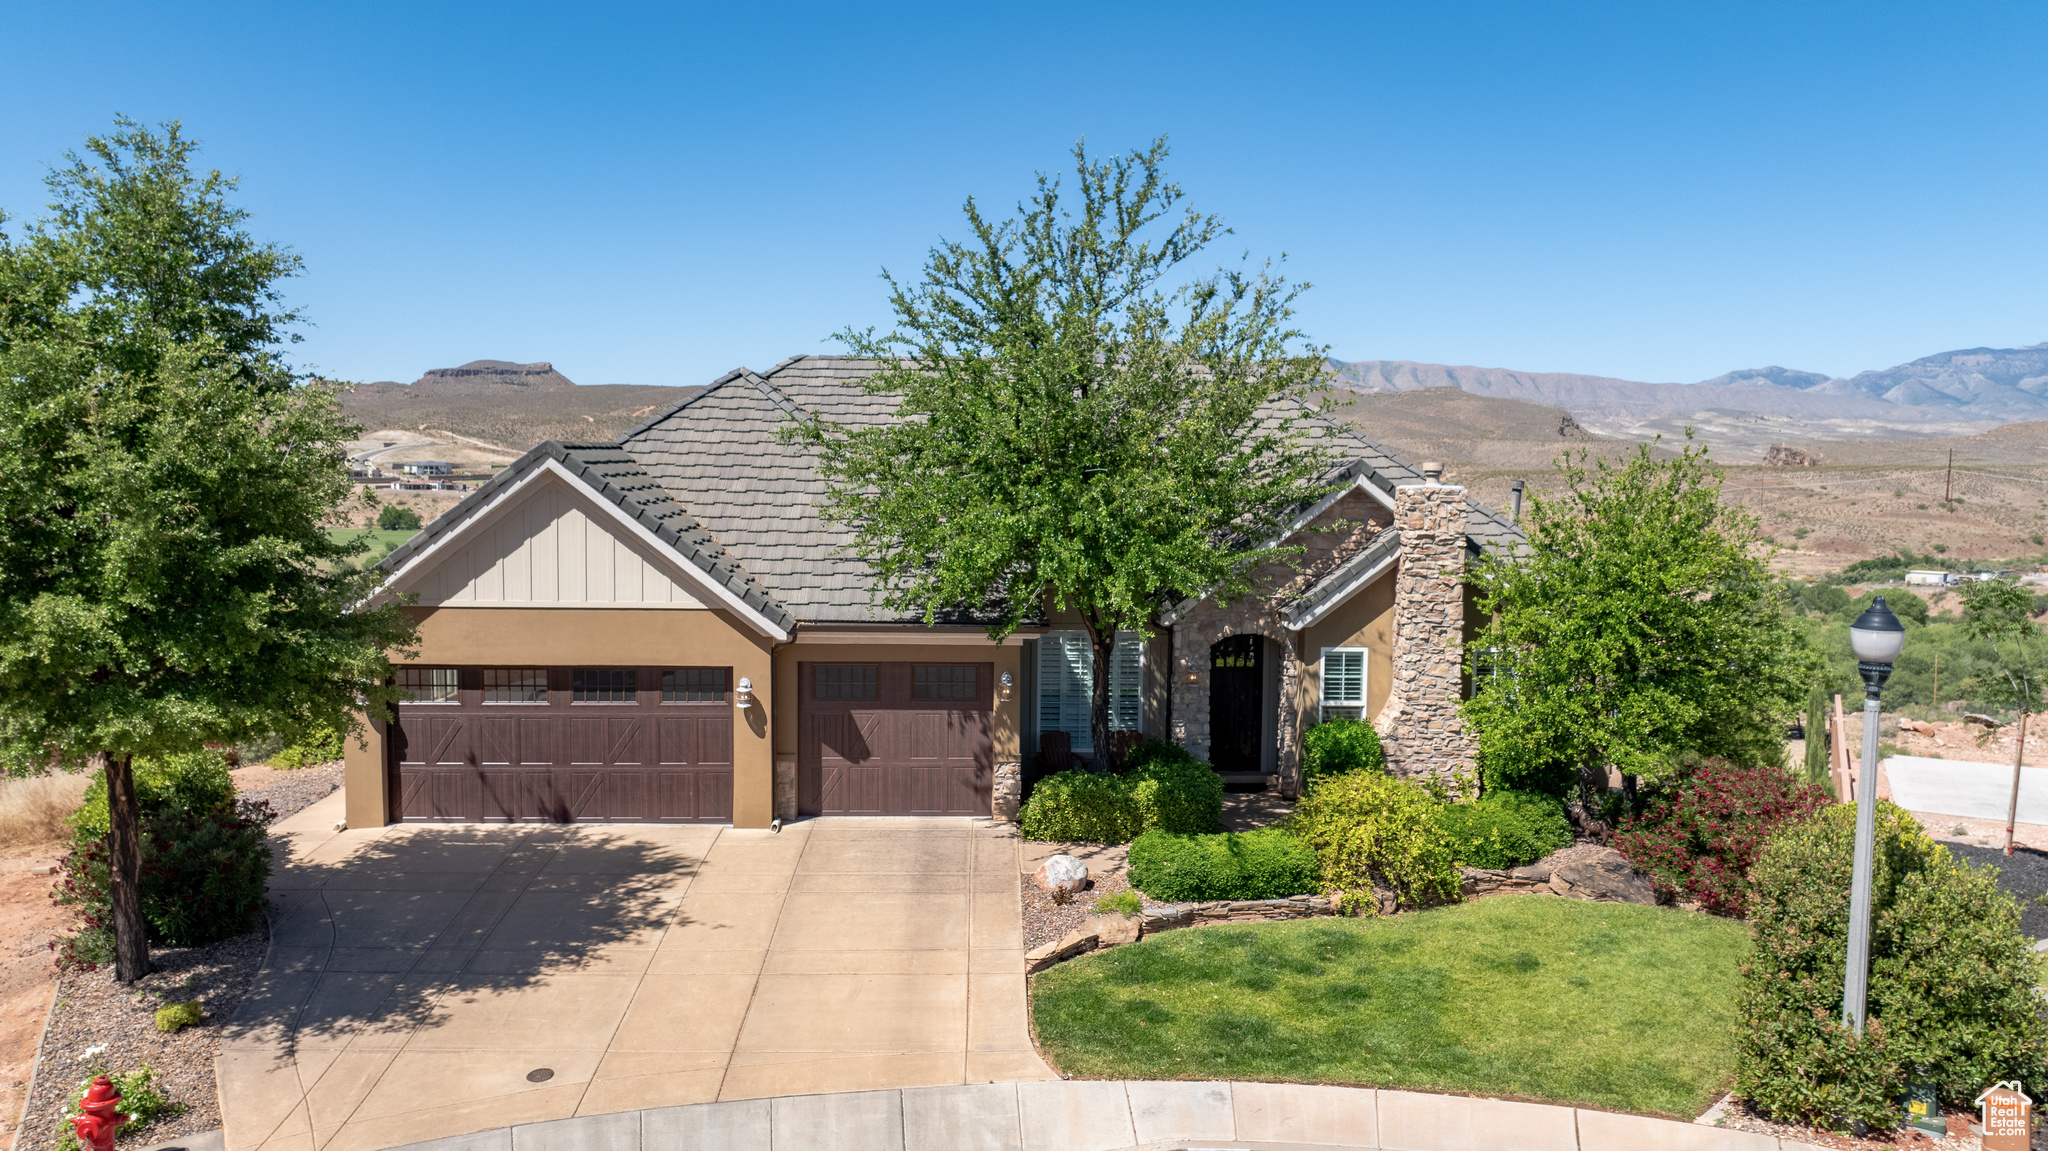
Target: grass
[33,808]
[382,543]
[1604,1005]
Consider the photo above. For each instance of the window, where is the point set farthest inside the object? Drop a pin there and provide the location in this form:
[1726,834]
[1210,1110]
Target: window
[428,684]
[515,685]
[1343,683]
[846,683]
[694,685]
[604,685]
[1066,685]
[942,683]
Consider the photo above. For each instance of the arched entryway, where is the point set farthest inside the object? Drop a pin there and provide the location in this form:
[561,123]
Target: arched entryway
[1237,692]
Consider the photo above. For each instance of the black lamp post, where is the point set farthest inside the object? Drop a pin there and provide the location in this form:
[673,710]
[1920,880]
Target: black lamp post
[1876,637]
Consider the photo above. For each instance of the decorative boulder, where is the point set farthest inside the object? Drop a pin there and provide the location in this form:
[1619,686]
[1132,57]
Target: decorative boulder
[1604,876]
[1061,875]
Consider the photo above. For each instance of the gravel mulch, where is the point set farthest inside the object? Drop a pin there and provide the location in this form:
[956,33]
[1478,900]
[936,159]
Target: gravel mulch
[103,1024]
[289,792]
[1736,1116]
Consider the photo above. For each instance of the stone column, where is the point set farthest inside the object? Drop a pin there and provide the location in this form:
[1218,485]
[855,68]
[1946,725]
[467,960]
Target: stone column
[785,788]
[1420,726]
[1007,793]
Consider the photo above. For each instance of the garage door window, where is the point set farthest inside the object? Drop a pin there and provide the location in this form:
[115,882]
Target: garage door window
[515,685]
[694,685]
[942,683]
[846,682]
[604,685]
[428,684]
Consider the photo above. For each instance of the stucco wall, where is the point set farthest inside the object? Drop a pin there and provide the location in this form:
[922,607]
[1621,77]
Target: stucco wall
[1365,620]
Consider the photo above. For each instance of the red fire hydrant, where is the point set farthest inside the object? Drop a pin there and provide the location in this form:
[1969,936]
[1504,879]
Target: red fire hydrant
[97,1125]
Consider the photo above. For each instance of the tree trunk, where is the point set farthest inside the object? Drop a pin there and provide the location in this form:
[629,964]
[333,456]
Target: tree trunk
[1103,640]
[124,858]
[1628,793]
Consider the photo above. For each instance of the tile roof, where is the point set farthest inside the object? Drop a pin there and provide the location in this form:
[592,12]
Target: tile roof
[713,473]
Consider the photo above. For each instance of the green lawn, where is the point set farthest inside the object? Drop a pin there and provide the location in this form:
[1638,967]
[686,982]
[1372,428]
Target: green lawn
[381,543]
[1607,1005]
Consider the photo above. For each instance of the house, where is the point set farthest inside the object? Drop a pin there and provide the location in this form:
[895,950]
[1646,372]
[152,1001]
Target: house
[1929,578]
[664,629]
[427,468]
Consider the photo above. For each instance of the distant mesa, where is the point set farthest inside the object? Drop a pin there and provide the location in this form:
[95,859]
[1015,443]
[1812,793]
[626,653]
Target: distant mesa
[1770,377]
[536,375]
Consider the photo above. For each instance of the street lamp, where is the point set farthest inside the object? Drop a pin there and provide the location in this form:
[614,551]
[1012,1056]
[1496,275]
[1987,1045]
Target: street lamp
[1875,637]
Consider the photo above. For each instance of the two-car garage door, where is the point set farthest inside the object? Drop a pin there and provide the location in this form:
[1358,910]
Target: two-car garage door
[631,744]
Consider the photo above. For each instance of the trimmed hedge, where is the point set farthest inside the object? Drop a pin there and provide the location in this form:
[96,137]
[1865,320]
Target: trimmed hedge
[1337,746]
[1371,831]
[1267,863]
[1952,978]
[1505,829]
[322,746]
[1162,787]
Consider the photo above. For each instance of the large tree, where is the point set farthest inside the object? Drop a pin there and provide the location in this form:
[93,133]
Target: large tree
[1080,418]
[166,479]
[1637,625]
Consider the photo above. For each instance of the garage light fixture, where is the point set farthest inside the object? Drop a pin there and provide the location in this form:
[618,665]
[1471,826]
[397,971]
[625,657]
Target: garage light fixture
[1003,685]
[744,697]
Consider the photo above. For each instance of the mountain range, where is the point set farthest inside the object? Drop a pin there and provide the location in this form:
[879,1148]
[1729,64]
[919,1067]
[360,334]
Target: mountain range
[1988,385]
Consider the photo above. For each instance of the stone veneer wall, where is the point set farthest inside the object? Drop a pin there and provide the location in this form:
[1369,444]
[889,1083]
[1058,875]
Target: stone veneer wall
[1420,724]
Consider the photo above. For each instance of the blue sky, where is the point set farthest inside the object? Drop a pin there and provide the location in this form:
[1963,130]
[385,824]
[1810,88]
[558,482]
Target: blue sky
[653,194]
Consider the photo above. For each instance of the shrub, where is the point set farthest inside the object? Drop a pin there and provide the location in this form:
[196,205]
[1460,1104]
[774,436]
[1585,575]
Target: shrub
[140,1100]
[175,1017]
[1265,864]
[1951,977]
[1125,902]
[1704,834]
[1164,787]
[194,782]
[203,879]
[397,518]
[319,747]
[1370,830]
[1507,828]
[1336,746]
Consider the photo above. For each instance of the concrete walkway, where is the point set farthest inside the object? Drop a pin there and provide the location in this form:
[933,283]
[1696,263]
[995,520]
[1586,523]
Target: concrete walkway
[434,980]
[1104,1116]
[1967,789]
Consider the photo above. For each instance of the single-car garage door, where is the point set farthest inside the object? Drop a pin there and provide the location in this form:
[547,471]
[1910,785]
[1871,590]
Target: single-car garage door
[894,738]
[565,745]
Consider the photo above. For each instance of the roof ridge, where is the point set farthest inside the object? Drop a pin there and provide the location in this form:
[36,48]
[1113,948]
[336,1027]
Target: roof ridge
[686,402]
[778,397]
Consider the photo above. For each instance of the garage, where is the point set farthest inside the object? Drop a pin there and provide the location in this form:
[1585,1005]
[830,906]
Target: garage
[564,745]
[891,738]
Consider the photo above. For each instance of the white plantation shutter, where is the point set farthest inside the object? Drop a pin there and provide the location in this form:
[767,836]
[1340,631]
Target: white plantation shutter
[1127,683]
[1066,682]
[1343,678]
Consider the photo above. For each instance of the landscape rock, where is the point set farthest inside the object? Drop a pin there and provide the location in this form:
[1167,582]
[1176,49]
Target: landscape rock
[1537,872]
[1603,876]
[1061,875]
[1080,941]
[1981,720]
[1478,881]
[1113,930]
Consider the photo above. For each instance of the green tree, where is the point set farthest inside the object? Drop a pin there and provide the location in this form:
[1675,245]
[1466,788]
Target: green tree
[397,518]
[165,579]
[1637,624]
[2001,613]
[1071,425]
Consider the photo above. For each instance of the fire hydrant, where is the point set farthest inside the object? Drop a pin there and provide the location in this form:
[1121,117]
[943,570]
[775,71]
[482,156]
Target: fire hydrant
[97,1125]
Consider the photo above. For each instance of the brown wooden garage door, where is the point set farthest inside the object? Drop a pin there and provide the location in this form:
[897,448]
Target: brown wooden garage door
[565,745]
[894,738]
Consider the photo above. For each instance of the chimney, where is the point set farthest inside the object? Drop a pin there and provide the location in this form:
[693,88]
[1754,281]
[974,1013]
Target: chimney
[1432,471]
[1419,726]
[1515,508]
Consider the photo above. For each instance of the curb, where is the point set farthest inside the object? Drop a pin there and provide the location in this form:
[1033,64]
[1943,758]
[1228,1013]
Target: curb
[35,1067]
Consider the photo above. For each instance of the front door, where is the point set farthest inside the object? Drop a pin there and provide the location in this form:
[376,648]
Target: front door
[1237,682]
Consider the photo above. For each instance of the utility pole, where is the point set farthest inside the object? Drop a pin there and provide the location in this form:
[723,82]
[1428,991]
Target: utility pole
[1937,684]
[1948,486]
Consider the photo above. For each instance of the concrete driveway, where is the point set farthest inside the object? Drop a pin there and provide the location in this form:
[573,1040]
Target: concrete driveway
[426,981]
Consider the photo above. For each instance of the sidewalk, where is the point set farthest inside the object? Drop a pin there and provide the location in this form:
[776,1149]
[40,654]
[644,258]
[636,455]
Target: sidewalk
[1105,1116]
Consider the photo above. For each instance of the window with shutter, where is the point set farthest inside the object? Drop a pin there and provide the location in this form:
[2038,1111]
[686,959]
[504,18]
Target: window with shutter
[1066,682]
[1343,675]
[1127,683]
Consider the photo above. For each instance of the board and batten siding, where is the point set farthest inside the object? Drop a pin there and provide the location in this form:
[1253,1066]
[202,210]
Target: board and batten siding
[552,548]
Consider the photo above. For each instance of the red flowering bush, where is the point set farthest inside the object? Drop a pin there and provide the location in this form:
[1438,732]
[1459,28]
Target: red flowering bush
[1702,837]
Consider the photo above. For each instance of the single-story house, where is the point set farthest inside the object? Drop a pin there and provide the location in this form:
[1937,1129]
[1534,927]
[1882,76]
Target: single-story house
[427,468]
[665,629]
